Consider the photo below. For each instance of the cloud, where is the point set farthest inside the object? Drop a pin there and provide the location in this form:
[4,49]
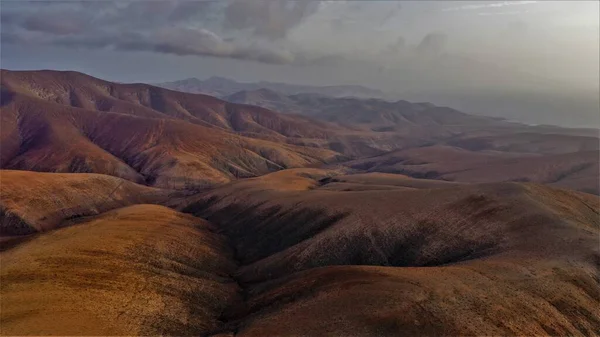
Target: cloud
[177,41]
[59,25]
[489,5]
[167,27]
[502,13]
[202,42]
[267,18]
[256,30]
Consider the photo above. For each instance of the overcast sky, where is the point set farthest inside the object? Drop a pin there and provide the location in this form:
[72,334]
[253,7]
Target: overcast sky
[405,47]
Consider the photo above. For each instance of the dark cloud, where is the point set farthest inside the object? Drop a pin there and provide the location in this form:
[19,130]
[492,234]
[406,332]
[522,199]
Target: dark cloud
[167,27]
[267,18]
[203,42]
[175,41]
[59,25]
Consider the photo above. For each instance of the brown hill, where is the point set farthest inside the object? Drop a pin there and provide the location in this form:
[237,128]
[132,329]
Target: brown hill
[160,152]
[32,202]
[351,126]
[83,91]
[534,140]
[306,251]
[577,170]
[424,124]
[360,126]
[379,181]
[266,98]
[90,93]
[496,259]
[294,257]
[488,214]
[139,270]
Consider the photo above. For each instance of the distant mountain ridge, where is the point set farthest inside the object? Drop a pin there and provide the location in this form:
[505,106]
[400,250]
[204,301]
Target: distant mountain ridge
[374,114]
[220,86]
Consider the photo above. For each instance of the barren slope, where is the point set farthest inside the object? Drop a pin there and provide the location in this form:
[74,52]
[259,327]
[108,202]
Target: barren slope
[74,89]
[159,152]
[577,170]
[263,216]
[340,250]
[411,256]
[495,259]
[83,91]
[351,126]
[32,202]
[140,270]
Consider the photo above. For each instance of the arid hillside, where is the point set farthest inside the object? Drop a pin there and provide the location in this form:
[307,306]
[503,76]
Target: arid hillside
[78,90]
[56,121]
[574,170]
[290,254]
[90,93]
[354,127]
[128,209]
[285,200]
[495,259]
[139,270]
[33,202]
[167,153]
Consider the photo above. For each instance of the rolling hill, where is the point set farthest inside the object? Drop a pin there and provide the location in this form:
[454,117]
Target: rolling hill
[285,254]
[168,153]
[575,170]
[52,198]
[138,270]
[492,259]
[78,90]
[86,92]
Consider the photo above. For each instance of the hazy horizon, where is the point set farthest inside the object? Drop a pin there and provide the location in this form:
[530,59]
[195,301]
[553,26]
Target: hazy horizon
[525,60]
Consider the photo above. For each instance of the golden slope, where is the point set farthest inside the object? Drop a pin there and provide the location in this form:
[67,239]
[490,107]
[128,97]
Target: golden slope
[489,259]
[32,202]
[140,270]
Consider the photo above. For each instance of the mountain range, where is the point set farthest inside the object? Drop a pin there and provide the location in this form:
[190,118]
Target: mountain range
[503,93]
[131,209]
[219,86]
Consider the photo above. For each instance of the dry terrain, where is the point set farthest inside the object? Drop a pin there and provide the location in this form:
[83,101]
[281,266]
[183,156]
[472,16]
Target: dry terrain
[575,170]
[160,152]
[492,259]
[139,270]
[70,122]
[32,202]
[285,254]
[128,209]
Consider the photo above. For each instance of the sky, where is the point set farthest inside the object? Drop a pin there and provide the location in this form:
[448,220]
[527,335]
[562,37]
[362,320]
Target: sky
[510,58]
